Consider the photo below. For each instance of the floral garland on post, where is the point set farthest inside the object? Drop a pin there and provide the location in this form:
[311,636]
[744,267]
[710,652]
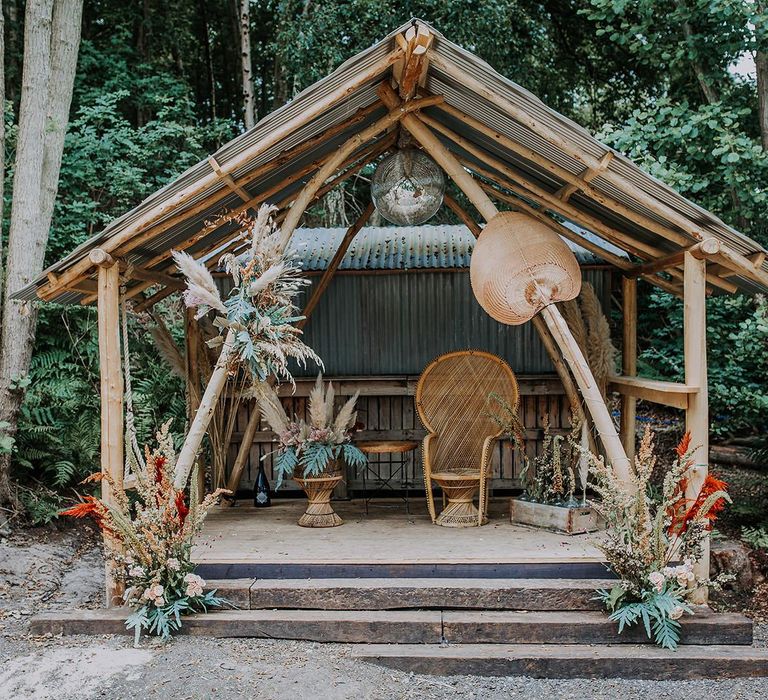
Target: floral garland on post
[152,541]
[654,539]
[256,322]
[311,446]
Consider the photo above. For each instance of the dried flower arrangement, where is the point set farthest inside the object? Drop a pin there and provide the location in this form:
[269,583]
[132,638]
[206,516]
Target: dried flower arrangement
[260,309]
[654,539]
[312,446]
[559,470]
[256,322]
[150,541]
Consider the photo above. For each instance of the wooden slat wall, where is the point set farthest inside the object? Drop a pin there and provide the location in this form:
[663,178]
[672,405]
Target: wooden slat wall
[386,408]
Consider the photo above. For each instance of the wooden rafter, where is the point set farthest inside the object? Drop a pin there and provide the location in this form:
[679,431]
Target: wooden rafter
[228,180]
[585,178]
[625,186]
[704,249]
[158,212]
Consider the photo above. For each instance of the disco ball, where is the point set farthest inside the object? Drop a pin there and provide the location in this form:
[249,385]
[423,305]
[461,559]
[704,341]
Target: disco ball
[407,187]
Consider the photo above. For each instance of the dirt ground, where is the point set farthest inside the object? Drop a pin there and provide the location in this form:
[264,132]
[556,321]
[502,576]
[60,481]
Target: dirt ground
[50,568]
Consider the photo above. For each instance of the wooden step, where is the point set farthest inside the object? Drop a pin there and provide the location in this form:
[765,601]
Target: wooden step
[401,569]
[428,593]
[407,626]
[627,661]
[581,627]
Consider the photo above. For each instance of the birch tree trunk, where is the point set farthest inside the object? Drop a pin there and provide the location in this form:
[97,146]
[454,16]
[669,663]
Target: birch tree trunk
[51,39]
[249,94]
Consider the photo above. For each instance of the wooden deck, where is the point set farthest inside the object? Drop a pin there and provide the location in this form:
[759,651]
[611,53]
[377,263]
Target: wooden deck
[237,539]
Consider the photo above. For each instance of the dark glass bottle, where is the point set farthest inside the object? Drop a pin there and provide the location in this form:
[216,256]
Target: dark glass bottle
[262,494]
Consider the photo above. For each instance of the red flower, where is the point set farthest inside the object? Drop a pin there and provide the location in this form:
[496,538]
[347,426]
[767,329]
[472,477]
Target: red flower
[158,462]
[93,507]
[684,445]
[181,507]
[686,510]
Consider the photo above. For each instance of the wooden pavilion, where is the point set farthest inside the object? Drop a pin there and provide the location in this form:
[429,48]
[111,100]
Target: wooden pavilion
[499,144]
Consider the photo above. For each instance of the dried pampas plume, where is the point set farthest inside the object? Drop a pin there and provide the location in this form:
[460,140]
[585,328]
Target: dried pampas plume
[273,412]
[168,350]
[601,353]
[347,415]
[201,291]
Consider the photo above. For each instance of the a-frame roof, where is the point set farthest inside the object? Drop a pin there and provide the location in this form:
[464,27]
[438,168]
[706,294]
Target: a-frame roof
[524,154]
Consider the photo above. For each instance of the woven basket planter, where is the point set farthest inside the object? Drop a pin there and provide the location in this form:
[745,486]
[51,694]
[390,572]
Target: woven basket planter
[319,511]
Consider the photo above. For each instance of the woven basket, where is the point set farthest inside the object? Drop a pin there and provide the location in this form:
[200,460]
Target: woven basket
[519,266]
[319,511]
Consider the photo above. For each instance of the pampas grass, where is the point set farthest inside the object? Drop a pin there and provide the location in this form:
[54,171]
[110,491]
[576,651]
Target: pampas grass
[601,353]
[201,292]
[168,350]
[347,415]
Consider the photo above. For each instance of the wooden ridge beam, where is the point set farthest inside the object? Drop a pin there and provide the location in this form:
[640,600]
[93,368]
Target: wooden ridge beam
[159,211]
[757,260]
[418,40]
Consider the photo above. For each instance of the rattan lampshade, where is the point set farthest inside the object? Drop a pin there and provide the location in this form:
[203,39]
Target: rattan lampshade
[519,266]
[407,187]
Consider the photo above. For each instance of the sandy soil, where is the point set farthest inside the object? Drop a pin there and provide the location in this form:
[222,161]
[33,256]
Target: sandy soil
[46,569]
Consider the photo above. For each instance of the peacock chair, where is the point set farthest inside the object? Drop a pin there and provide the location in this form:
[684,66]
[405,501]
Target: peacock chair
[453,398]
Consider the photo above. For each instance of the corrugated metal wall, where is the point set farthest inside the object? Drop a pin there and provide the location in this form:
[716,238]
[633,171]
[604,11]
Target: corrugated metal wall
[394,324]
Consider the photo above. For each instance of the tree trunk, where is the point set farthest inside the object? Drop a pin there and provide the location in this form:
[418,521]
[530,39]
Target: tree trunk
[761,70]
[249,95]
[2,140]
[51,39]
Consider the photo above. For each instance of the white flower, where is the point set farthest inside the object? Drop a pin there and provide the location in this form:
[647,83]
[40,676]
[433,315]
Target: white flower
[668,571]
[159,602]
[173,564]
[676,614]
[136,571]
[194,585]
[657,580]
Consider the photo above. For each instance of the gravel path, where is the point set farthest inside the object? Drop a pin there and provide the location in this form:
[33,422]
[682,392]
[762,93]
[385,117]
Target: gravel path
[50,569]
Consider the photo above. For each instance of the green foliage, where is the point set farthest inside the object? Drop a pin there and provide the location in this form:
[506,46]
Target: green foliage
[42,505]
[756,537]
[657,610]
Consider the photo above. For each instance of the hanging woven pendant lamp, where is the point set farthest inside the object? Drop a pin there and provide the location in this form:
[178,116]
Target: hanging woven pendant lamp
[519,266]
[407,187]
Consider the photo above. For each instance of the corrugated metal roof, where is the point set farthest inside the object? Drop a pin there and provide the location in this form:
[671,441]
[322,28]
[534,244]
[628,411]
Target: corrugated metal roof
[404,247]
[260,159]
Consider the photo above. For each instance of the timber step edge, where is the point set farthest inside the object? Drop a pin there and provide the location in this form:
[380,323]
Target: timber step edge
[582,569]
[408,626]
[417,593]
[628,661]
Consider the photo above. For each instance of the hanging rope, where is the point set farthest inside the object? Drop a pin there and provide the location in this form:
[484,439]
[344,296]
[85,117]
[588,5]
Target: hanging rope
[133,452]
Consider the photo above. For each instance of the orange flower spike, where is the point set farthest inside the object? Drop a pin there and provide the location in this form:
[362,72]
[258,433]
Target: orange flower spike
[684,445]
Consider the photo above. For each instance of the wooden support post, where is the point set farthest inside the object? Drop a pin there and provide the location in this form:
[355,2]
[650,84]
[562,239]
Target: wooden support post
[629,362]
[255,418]
[192,342]
[551,314]
[110,370]
[697,415]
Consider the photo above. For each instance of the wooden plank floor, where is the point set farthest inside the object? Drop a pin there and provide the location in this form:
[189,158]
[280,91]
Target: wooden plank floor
[243,534]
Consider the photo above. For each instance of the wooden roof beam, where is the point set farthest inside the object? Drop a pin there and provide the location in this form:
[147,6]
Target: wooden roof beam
[418,40]
[723,270]
[585,178]
[653,204]
[228,180]
[704,249]
[157,212]
[237,243]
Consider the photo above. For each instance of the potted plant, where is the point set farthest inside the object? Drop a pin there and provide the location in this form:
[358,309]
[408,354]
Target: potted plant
[312,452]
[555,480]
